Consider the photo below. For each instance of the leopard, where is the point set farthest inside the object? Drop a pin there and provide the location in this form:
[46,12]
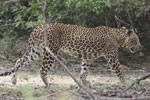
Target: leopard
[85,43]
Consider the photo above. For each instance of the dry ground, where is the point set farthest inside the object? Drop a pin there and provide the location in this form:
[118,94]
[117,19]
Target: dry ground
[102,85]
[35,80]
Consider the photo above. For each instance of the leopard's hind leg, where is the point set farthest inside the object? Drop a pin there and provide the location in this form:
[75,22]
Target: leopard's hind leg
[30,55]
[47,61]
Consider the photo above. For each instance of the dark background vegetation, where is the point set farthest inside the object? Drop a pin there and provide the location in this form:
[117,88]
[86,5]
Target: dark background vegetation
[19,17]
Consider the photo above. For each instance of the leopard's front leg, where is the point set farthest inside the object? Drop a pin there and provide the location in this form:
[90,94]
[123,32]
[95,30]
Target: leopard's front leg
[14,78]
[112,59]
[84,73]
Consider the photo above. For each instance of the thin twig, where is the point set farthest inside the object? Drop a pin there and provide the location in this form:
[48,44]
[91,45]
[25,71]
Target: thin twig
[7,25]
[44,22]
[121,20]
[11,2]
[130,19]
[44,11]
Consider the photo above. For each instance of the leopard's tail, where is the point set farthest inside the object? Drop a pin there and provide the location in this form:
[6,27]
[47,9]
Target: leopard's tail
[29,56]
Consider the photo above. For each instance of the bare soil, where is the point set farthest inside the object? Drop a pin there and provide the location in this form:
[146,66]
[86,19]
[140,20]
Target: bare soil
[103,86]
[35,80]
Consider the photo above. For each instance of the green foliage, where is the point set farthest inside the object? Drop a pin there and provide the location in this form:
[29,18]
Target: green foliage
[20,18]
[141,54]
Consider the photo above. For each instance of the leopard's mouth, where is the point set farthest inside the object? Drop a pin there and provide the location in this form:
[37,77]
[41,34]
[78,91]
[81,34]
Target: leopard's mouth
[133,49]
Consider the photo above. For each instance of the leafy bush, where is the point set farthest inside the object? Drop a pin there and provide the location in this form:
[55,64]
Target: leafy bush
[18,20]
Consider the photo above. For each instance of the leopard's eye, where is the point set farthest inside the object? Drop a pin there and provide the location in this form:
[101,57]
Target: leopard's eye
[129,32]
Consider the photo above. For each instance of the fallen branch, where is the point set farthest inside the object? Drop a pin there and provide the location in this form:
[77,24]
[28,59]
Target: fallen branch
[137,81]
[69,73]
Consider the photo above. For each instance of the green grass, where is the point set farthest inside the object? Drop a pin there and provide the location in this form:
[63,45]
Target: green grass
[10,90]
[28,92]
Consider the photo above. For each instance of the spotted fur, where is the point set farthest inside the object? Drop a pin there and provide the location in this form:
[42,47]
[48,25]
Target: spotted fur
[84,43]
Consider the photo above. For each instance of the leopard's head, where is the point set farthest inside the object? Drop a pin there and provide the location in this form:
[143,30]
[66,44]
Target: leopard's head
[132,41]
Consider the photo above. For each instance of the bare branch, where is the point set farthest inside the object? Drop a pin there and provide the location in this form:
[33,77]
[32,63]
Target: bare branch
[130,19]
[5,25]
[10,2]
[44,21]
[117,19]
[44,11]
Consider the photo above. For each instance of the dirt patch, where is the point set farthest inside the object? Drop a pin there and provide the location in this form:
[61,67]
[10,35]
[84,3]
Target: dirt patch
[103,92]
[103,86]
[115,92]
[35,80]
